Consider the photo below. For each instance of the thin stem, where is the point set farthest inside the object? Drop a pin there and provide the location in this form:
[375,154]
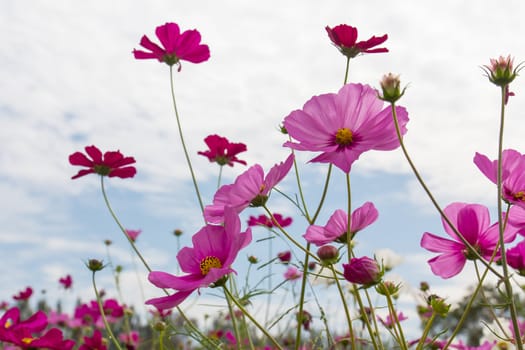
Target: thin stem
[197,192]
[345,306]
[219,178]
[323,196]
[257,324]
[103,315]
[364,316]
[347,70]
[270,257]
[506,280]
[423,338]
[300,189]
[471,249]
[373,316]
[393,314]
[349,220]
[301,297]
[234,321]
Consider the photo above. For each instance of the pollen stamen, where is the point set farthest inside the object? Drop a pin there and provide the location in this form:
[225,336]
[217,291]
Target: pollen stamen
[344,136]
[209,263]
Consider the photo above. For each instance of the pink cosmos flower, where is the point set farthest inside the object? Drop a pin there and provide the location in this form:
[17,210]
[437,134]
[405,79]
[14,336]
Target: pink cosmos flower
[215,248]
[285,257]
[336,227]
[292,274]
[473,222]
[222,151]
[344,37]
[133,234]
[111,164]
[364,271]
[131,339]
[66,281]
[263,220]
[389,321]
[344,125]
[512,176]
[176,46]
[95,342]
[24,294]
[251,188]
[516,257]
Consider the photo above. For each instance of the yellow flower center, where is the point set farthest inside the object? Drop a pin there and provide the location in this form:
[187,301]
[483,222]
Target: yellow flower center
[519,196]
[8,323]
[27,340]
[209,263]
[344,136]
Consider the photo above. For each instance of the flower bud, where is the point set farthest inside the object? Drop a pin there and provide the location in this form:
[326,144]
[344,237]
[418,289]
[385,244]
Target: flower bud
[438,305]
[177,232]
[501,71]
[328,255]
[253,259]
[388,288]
[391,88]
[95,265]
[364,271]
[285,256]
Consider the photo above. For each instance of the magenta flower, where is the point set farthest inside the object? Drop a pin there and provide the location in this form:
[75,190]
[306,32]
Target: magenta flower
[222,151]
[251,188]
[131,339]
[214,251]
[364,271]
[473,222]
[112,163]
[66,281]
[263,220]
[285,257]
[24,294]
[176,46]
[389,321]
[133,234]
[337,226]
[512,175]
[344,125]
[95,342]
[292,274]
[516,257]
[344,37]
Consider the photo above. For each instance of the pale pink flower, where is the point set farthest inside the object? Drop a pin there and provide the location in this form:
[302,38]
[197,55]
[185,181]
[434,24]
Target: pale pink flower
[473,222]
[344,125]
[251,188]
[292,273]
[337,225]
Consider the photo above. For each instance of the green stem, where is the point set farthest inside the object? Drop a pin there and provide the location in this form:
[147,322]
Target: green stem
[506,279]
[471,249]
[349,220]
[257,324]
[219,177]
[301,297]
[393,314]
[184,143]
[373,316]
[323,196]
[103,315]
[347,70]
[300,189]
[234,321]
[423,338]
[345,306]
[365,316]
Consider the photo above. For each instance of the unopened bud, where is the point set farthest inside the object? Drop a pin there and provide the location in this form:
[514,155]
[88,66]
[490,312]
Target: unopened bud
[328,255]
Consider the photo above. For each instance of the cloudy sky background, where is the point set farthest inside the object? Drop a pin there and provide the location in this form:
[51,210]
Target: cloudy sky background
[69,80]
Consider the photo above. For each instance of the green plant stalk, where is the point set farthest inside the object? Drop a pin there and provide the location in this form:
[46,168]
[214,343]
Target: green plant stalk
[401,337]
[300,187]
[302,297]
[119,224]
[269,296]
[506,279]
[374,318]
[365,317]
[255,322]
[347,70]
[424,336]
[219,178]
[345,306]
[234,321]
[193,178]
[472,250]
[349,216]
[103,314]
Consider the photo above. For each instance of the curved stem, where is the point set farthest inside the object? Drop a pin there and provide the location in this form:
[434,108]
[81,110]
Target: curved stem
[506,280]
[301,297]
[197,192]
[471,249]
[393,314]
[323,196]
[257,324]
[300,189]
[103,315]
[365,316]
[234,321]
[424,336]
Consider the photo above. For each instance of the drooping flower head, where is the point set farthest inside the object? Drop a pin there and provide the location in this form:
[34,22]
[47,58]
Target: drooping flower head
[222,151]
[112,163]
[251,188]
[337,226]
[344,37]
[473,222]
[344,125]
[215,248]
[66,281]
[263,220]
[176,46]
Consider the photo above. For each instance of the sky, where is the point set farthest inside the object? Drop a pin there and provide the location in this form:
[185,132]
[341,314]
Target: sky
[69,80]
